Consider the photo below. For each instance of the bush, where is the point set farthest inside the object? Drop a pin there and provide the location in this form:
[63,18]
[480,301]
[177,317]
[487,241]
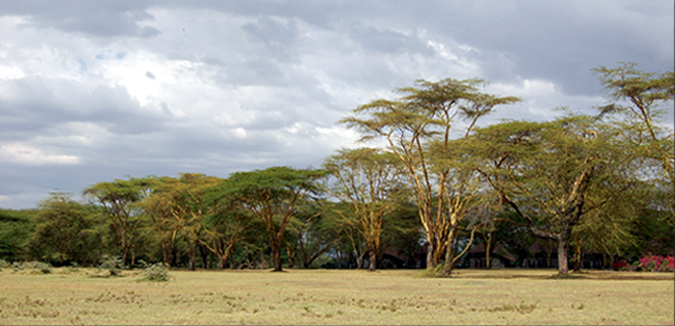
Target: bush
[112,264]
[621,266]
[156,273]
[667,265]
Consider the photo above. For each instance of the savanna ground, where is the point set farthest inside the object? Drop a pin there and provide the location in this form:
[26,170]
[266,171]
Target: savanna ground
[336,297]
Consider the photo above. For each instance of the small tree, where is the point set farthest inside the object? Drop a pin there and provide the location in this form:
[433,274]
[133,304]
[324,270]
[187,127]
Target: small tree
[64,230]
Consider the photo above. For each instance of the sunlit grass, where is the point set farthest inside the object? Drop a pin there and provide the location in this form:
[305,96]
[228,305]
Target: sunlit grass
[337,297]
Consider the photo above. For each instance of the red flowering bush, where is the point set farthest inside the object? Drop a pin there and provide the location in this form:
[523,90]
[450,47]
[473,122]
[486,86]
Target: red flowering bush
[621,266]
[657,263]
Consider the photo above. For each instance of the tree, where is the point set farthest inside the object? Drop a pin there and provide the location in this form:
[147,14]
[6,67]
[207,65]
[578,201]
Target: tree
[367,180]
[225,226]
[644,98]
[64,230]
[120,200]
[311,233]
[178,206]
[16,229]
[555,174]
[271,195]
[427,113]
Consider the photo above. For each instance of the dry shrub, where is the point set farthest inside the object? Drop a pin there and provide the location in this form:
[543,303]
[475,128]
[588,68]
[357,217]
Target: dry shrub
[158,272]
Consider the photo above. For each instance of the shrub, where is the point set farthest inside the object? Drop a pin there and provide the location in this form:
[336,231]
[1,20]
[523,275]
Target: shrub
[156,273]
[621,266]
[112,264]
[667,265]
[655,263]
[3,264]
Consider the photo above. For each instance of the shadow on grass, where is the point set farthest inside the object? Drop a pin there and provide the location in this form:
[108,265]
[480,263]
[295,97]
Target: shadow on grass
[553,275]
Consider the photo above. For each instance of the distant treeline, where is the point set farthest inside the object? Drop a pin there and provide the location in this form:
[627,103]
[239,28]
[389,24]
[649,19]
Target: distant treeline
[581,185]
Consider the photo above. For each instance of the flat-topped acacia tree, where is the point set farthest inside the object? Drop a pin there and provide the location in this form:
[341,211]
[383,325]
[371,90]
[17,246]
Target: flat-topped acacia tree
[272,195]
[558,174]
[429,113]
[120,199]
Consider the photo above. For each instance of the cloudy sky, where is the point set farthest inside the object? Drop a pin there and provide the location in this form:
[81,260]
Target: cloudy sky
[93,91]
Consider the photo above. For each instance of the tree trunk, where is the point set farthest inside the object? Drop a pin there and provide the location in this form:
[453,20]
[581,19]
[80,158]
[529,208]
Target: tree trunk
[562,257]
[430,256]
[373,261]
[577,259]
[276,257]
[488,248]
[291,256]
[205,257]
[338,255]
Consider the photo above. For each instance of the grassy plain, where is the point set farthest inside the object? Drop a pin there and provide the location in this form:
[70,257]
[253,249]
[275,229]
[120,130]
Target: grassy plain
[335,297]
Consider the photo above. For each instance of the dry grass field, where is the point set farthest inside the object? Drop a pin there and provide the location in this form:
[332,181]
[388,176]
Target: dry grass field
[334,297]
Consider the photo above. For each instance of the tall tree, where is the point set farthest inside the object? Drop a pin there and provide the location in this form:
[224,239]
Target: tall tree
[427,112]
[367,180]
[554,174]
[120,200]
[271,195]
[180,206]
[640,102]
[16,229]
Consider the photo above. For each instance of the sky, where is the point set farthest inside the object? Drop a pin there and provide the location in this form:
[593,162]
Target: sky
[93,91]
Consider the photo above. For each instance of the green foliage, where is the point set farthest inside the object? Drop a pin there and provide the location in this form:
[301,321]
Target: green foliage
[16,229]
[120,199]
[65,230]
[272,196]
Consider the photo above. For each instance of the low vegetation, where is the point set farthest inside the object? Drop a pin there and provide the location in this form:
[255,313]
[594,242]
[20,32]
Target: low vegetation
[332,297]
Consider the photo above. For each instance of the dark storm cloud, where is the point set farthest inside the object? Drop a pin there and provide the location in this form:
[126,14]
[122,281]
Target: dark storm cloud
[104,89]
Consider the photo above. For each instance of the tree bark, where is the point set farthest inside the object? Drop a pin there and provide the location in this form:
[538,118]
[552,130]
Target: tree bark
[488,247]
[276,257]
[430,256]
[562,257]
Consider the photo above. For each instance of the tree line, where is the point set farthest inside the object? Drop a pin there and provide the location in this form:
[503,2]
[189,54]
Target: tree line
[600,183]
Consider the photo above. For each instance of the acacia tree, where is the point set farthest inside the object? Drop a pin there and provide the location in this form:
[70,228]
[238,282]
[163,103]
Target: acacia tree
[367,181]
[63,229]
[271,195]
[553,174]
[120,199]
[179,205]
[642,100]
[427,113]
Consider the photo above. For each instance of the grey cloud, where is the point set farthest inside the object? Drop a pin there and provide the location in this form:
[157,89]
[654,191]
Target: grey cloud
[278,37]
[286,63]
[98,18]
[40,106]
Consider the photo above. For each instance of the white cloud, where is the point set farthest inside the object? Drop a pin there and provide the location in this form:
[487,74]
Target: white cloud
[22,154]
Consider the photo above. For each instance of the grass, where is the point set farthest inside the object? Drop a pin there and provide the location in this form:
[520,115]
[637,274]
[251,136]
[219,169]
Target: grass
[71,296]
